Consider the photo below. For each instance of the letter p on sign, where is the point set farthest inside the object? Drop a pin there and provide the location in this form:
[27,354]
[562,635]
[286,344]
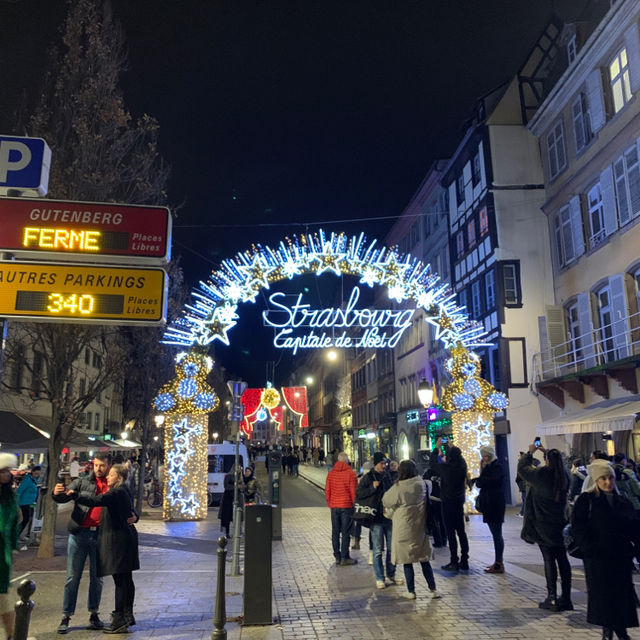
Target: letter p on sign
[24,165]
[14,156]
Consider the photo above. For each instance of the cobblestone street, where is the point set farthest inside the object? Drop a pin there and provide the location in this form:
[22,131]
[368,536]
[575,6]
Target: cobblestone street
[312,597]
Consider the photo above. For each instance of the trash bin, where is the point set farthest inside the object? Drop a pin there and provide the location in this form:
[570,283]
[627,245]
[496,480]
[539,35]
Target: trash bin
[257,564]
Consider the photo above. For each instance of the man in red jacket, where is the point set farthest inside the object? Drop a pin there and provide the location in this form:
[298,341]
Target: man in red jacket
[340,492]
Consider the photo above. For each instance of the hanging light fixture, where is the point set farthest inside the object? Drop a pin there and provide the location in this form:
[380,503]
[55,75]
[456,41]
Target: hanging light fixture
[425,393]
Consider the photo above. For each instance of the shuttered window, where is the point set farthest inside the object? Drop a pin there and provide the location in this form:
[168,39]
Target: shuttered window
[556,150]
[626,171]
[619,80]
[564,236]
[596,216]
[581,125]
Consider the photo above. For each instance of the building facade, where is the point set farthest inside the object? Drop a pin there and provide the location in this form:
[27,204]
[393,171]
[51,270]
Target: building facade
[588,127]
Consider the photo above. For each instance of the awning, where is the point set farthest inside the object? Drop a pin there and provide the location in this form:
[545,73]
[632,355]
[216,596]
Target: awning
[618,414]
[29,433]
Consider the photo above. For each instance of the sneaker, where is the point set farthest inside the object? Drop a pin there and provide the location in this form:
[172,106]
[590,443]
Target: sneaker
[371,557]
[464,565]
[24,548]
[435,594]
[348,561]
[549,603]
[452,566]
[519,515]
[409,595]
[95,622]
[394,580]
[63,627]
[380,584]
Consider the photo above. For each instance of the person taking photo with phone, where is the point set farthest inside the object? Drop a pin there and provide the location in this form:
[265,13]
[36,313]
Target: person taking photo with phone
[544,520]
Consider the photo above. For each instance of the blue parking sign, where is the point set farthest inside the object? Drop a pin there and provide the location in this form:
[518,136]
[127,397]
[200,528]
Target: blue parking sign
[24,164]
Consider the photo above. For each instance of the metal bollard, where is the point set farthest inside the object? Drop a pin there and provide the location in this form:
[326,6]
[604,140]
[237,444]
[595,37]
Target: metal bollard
[23,610]
[220,612]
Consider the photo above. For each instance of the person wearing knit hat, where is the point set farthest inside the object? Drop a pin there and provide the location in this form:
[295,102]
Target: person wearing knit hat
[603,523]
[371,488]
[491,502]
[9,521]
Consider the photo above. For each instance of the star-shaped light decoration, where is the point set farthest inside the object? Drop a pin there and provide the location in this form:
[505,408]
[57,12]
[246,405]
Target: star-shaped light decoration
[256,271]
[393,270]
[328,259]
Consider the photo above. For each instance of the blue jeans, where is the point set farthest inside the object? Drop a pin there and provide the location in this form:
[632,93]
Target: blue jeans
[427,572]
[381,536]
[341,526]
[80,545]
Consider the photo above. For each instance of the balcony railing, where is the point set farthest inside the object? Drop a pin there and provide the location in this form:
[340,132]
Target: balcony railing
[604,345]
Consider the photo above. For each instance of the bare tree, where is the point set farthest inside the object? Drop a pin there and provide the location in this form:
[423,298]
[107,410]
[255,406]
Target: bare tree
[99,153]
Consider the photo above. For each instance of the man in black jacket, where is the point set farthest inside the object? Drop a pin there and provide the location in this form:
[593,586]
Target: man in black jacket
[453,484]
[83,541]
[376,483]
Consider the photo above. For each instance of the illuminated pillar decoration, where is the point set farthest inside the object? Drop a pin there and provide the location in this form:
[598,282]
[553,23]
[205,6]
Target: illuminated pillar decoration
[473,402]
[186,402]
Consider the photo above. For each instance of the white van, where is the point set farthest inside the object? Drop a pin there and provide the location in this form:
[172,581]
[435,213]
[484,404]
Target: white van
[221,458]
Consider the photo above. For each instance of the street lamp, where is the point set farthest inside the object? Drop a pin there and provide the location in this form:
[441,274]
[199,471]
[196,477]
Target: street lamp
[214,435]
[425,393]
[124,435]
[332,355]
[159,420]
[309,380]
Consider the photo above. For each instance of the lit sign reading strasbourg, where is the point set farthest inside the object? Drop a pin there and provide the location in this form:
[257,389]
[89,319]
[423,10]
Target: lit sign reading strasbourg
[298,326]
[82,230]
[45,291]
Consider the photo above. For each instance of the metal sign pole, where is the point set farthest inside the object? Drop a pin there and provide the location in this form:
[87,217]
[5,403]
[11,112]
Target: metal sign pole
[237,389]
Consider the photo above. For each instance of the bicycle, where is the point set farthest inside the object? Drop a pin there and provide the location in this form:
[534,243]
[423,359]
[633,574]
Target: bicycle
[153,494]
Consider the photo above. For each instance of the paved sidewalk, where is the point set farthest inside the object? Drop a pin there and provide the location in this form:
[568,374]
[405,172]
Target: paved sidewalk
[314,599]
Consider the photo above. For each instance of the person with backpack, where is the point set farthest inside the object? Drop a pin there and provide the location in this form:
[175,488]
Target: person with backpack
[629,487]
[435,522]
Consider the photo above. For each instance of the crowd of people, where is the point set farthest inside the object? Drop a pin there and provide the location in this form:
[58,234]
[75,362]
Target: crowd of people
[597,505]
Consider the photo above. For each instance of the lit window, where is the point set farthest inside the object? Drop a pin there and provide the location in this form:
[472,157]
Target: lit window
[484,221]
[619,78]
[556,149]
[471,233]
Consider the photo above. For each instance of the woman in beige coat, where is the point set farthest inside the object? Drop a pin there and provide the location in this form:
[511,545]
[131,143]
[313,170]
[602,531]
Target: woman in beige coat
[405,503]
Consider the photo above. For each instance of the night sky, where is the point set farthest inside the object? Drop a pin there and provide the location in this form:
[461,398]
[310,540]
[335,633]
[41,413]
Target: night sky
[279,116]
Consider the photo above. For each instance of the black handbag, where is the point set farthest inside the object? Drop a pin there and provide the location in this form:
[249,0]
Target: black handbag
[570,543]
[366,509]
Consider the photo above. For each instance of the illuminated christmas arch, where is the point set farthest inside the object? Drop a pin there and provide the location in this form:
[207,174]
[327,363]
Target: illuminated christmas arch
[214,311]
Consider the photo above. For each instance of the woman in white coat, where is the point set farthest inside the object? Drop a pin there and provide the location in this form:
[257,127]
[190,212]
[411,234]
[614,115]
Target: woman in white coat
[405,503]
